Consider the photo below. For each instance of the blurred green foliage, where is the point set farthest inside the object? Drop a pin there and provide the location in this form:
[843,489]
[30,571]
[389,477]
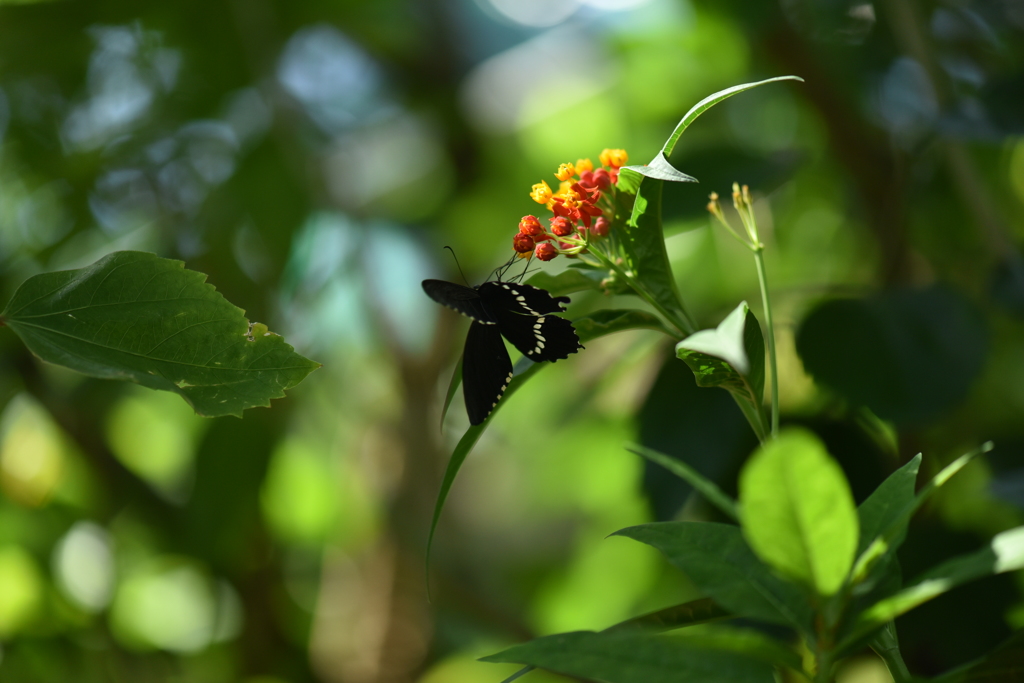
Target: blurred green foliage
[313,158]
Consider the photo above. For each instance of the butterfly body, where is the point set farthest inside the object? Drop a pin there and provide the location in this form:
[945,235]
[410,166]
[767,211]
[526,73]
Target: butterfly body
[523,314]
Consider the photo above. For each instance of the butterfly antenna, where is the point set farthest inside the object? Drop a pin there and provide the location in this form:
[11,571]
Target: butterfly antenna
[457,265]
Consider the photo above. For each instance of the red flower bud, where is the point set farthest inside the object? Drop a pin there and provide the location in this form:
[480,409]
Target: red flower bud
[523,244]
[603,178]
[601,227]
[546,251]
[530,225]
[562,226]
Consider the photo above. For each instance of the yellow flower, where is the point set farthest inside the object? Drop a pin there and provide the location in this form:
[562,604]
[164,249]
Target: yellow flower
[541,193]
[614,158]
[584,165]
[565,171]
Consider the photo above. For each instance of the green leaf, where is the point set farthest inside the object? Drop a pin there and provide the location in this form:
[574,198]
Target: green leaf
[661,169]
[568,281]
[453,386]
[706,487]
[883,509]
[632,657]
[135,316]
[884,517]
[1004,553]
[719,562]
[701,611]
[587,327]
[643,244]
[797,511]
[731,356]
[879,550]
[710,101]
[704,611]
[1004,664]
[609,320]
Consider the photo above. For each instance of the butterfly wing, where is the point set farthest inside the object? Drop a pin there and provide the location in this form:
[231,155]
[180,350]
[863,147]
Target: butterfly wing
[520,298]
[486,370]
[525,317]
[465,300]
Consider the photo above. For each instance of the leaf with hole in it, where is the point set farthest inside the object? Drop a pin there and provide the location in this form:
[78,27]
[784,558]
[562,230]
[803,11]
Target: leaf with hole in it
[797,511]
[735,657]
[721,564]
[731,356]
[138,317]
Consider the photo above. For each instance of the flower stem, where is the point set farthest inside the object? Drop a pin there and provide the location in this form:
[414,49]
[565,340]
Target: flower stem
[762,278]
[681,324]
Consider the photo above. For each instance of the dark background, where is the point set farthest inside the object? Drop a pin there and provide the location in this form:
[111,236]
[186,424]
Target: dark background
[314,157]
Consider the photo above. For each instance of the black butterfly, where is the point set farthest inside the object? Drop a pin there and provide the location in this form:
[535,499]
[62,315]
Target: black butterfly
[523,315]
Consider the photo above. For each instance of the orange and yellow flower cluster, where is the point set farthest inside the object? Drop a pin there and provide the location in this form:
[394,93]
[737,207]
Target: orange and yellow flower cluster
[581,208]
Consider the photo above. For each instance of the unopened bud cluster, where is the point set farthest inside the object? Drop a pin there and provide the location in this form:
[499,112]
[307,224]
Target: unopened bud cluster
[580,208]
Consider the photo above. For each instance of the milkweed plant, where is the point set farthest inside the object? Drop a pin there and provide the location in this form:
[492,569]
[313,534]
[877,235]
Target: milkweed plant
[799,578]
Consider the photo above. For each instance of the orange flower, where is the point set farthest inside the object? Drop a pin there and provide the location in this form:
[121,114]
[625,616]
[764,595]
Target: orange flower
[584,165]
[614,158]
[565,171]
[541,193]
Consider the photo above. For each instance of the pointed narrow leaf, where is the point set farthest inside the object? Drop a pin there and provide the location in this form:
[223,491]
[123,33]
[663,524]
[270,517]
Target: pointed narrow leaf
[706,487]
[138,317]
[884,507]
[633,657]
[797,511]
[1004,553]
[719,562]
[701,611]
[710,101]
[880,549]
[453,386]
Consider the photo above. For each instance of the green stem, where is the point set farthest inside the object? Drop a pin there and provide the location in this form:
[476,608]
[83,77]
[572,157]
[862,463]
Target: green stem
[886,646]
[762,278]
[681,324]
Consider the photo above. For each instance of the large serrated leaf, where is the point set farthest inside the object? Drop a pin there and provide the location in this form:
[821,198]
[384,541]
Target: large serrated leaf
[138,317]
[731,356]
